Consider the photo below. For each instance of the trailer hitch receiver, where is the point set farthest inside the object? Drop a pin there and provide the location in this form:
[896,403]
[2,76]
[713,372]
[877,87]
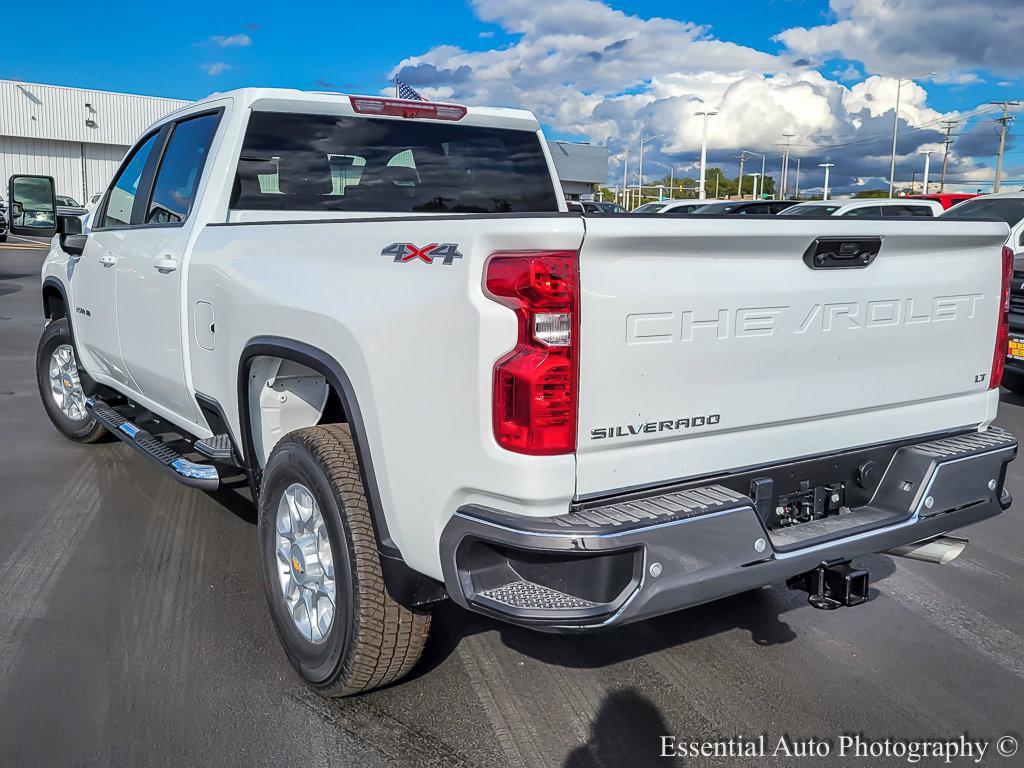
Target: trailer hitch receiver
[832,585]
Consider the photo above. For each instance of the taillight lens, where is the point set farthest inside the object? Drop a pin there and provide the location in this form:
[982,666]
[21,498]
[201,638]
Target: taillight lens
[1003,331]
[535,385]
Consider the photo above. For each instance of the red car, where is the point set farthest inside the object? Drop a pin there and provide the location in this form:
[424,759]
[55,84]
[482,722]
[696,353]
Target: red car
[946,199]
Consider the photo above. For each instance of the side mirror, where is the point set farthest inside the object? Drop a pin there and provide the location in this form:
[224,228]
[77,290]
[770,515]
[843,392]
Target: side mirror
[70,229]
[33,206]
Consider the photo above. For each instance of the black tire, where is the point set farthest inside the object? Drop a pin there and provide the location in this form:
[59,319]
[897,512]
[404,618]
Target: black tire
[3,238]
[85,430]
[1013,381]
[372,640]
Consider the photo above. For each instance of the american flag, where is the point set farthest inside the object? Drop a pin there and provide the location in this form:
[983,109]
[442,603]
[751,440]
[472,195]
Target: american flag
[406,91]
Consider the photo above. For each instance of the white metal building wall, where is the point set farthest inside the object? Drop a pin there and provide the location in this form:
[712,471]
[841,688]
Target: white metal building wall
[76,135]
[79,170]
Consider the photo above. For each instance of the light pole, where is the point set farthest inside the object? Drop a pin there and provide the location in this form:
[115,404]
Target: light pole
[701,192]
[796,194]
[927,161]
[762,174]
[785,163]
[742,156]
[625,169]
[826,166]
[896,124]
[640,188]
[756,176]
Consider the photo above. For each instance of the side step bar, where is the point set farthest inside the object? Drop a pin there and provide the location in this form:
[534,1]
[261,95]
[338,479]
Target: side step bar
[201,476]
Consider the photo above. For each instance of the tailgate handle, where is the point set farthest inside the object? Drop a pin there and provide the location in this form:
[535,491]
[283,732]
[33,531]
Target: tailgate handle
[842,252]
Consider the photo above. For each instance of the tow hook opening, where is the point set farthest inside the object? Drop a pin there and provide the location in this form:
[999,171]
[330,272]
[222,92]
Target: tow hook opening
[832,585]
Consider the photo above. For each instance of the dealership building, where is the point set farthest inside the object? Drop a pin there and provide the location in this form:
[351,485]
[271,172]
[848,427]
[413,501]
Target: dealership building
[77,136]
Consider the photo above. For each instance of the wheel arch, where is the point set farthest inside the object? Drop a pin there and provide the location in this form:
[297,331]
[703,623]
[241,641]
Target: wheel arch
[407,586]
[55,300]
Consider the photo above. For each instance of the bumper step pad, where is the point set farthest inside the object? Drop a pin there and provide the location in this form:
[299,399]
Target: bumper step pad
[526,594]
[202,476]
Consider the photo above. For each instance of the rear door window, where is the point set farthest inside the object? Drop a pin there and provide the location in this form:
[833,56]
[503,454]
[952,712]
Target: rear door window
[180,168]
[331,163]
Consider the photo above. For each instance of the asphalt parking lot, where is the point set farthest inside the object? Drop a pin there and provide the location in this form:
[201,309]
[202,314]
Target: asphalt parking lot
[133,631]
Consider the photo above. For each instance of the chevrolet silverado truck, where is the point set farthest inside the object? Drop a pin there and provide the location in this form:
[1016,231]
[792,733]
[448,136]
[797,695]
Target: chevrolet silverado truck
[379,319]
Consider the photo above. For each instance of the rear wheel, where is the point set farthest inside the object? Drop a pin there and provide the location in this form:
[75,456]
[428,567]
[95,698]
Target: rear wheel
[339,626]
[60,385]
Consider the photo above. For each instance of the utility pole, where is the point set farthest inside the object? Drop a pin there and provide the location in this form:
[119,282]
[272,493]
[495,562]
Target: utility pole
[949,124]
[672,182]
[701,191]
[718,178]
[756,176]
[826,166]
[796,194]
[1004,127]
[927,161]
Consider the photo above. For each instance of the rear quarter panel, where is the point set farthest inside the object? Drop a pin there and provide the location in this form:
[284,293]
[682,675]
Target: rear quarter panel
[418,342]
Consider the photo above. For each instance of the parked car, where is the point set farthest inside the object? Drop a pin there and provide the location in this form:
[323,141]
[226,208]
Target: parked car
[745,207]
[946,199]
[3,222]
[68,206]
[895,207]
[652,207]
[421,414]
[90,207]
[685,207]
[596,206]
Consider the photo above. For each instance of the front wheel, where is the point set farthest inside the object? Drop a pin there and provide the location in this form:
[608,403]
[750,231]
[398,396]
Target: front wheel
[60,385]
[340,628]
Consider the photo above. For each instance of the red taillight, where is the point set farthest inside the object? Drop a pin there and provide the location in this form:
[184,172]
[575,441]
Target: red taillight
[1003,331]
[535,398]
[367,105]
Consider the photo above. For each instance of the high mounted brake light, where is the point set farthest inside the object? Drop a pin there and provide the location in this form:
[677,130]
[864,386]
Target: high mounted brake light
[535,385]
[1003,329]
[428,110]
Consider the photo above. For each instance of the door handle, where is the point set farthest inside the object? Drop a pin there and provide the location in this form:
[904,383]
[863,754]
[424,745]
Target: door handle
[165,265]
[108,259]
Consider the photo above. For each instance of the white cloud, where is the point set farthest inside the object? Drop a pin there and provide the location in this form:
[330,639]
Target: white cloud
[908,37]
[591,71]
[215,68]
[238,40]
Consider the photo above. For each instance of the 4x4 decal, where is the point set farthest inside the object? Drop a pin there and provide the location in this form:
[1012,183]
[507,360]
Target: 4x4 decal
[403,252]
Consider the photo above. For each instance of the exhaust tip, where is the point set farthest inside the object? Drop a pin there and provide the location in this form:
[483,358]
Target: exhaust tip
[939,550]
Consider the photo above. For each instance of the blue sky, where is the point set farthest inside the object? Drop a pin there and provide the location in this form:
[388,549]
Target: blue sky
[618,93]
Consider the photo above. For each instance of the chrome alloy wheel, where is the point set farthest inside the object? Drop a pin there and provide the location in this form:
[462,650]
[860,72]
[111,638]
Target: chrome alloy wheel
[65,386]
[305,563]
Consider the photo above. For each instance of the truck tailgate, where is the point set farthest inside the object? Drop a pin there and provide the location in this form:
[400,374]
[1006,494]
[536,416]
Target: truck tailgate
[708,344]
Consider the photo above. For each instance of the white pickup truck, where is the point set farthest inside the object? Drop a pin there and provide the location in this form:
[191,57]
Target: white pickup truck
[439,383]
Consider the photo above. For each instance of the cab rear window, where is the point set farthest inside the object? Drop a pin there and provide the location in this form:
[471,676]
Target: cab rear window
[302,162]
